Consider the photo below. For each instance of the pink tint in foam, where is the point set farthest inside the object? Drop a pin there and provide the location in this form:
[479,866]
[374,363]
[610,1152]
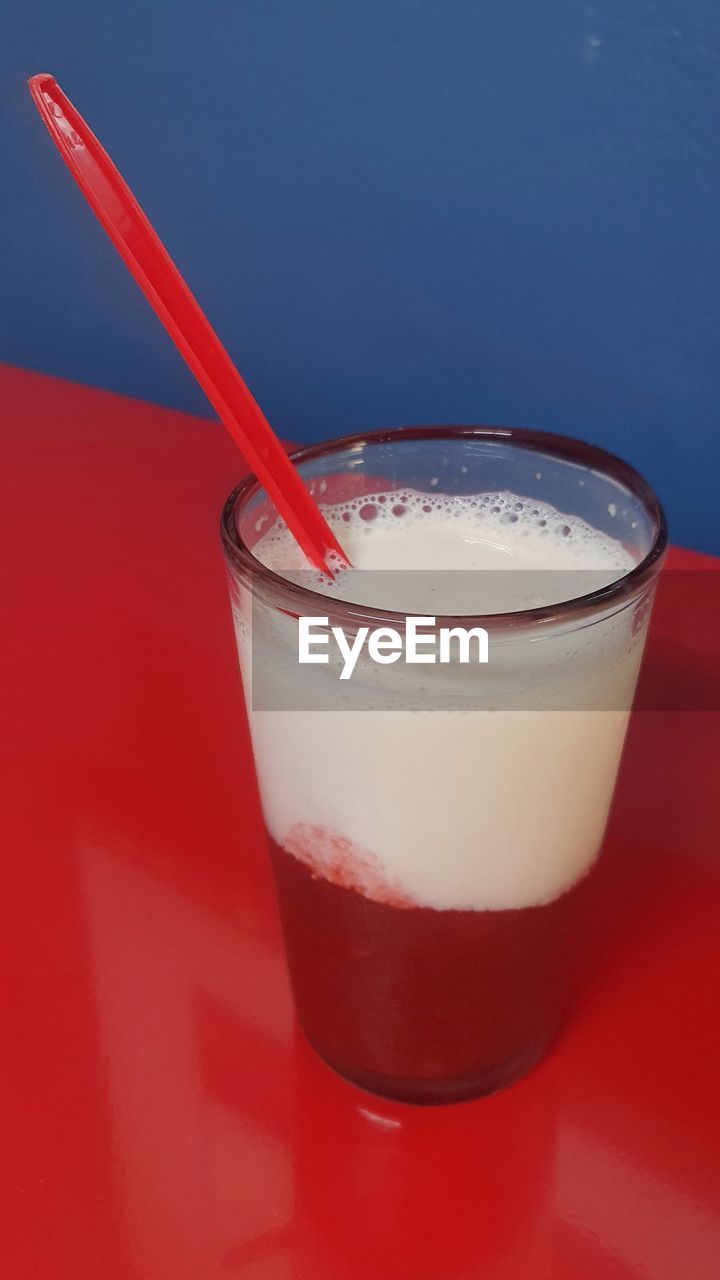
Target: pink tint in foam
[333,857]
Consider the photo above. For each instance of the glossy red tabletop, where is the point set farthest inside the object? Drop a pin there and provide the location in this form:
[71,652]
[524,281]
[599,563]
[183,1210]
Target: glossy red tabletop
[162,1118]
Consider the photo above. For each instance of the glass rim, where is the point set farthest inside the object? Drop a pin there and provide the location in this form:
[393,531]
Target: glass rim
[303,601]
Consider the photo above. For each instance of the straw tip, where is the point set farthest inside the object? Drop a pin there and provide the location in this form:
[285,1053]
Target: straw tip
[43,80]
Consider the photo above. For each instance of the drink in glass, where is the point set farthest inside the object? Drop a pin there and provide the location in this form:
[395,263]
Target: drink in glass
[433,827]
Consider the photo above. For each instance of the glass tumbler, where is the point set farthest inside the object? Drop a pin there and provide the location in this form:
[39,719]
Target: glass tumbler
[433,828]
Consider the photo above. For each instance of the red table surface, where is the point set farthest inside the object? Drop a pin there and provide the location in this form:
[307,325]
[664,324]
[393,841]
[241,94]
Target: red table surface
[162,1117]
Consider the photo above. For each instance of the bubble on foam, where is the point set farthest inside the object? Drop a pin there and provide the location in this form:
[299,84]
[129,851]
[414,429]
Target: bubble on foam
[489,518]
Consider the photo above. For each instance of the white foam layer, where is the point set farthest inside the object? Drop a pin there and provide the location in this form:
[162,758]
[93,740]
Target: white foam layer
[469,808]
[405,530]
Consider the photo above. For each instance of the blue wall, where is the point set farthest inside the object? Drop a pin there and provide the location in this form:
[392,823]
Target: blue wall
[394,211]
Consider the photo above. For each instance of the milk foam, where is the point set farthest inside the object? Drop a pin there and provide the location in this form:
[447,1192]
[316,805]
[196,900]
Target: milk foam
[469,808]
[406,530]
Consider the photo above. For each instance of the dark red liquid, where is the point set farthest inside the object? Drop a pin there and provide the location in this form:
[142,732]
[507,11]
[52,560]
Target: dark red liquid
[418,1004]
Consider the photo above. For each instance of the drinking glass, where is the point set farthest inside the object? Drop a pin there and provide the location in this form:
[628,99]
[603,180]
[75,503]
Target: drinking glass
[433,829]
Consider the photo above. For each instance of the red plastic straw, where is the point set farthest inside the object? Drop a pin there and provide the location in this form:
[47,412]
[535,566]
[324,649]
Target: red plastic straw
[148,261]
